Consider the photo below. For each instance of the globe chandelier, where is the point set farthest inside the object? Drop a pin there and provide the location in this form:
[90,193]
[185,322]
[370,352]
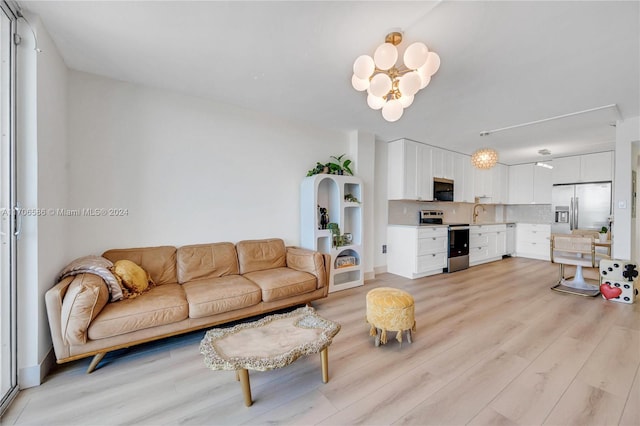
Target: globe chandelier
[390,86]
[484,158]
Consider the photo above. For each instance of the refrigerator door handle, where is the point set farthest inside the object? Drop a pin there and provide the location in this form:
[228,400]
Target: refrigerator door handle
[571,215]
[576,210]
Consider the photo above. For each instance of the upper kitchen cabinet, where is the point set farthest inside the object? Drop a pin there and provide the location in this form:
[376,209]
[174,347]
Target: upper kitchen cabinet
[442,163]
[463,187]
[491,184]
[409,175]
[529,184]
[542,185]
[583,168]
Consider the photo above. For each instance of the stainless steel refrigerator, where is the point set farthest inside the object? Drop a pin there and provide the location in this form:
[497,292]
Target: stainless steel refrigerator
[580,206]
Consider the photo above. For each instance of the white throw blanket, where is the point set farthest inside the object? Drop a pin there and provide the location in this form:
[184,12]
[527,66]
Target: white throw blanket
[96,265]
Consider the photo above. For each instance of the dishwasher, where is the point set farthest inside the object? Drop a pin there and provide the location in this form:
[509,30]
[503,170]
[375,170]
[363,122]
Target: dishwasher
[511,240]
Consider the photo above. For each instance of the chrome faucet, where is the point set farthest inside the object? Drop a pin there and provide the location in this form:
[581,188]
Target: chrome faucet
[476,213]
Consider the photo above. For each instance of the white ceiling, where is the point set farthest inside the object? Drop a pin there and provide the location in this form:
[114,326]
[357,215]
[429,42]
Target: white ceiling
[503,63]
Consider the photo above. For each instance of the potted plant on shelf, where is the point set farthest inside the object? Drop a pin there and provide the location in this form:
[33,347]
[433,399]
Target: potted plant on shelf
[339,167]
[603,234]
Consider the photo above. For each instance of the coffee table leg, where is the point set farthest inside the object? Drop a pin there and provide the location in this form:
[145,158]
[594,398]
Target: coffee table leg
[324,359]
[246,387]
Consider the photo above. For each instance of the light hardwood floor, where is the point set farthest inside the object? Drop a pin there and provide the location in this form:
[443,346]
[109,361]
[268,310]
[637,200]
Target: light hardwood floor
[494,345]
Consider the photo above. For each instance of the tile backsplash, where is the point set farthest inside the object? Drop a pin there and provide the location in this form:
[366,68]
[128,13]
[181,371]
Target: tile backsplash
[406,212]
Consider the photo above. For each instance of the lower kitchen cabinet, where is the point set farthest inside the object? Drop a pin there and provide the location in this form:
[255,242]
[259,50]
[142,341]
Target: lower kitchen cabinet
[486,243]
[416,251]
[533,240]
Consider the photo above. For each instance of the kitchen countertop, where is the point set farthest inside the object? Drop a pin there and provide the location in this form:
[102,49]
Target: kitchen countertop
[471,224]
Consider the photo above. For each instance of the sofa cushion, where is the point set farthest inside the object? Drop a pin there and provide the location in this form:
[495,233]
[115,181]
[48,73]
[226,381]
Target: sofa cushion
[218,295]
[280,283]
[85,297]
[160,262]
[258,255]
[164,304]
[206,261]
[309,261]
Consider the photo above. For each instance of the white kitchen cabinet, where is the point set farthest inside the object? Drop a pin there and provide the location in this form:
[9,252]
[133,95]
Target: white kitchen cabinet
[417,251]
[542,185]
[511,239]
[463,179]
[486,243]
[409,175]
[529,184]
[491,184]
[442,163]
[521,184]
[533,240]
[329,191]
[583,168]
[483,183]
[500,184]
[596,167]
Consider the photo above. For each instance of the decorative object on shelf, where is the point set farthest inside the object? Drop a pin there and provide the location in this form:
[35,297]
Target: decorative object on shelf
[603,234]
[324,217]
[390,87]
[351,198]
[345,261]
[484,158]
[338,168]
[347,238]
[335,233]
[341,166]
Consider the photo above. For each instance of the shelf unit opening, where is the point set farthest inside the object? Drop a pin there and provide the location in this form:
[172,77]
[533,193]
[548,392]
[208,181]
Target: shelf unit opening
[347,277]
[353,189]
[328,190]
[352,221]
[346,259]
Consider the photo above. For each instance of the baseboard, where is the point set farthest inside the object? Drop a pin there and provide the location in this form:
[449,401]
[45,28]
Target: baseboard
[369,276]
[34,375]
[380,269]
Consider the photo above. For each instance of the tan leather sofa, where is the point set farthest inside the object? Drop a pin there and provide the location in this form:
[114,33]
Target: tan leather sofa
[197,286]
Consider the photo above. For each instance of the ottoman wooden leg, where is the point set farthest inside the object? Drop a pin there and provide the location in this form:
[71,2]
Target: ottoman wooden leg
[409,336]
[246,387]
[377,340]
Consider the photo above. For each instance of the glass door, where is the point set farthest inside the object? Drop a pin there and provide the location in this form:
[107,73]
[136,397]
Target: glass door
[8,358]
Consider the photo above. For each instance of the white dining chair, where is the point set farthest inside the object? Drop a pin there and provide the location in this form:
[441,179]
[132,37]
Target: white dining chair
[579,251]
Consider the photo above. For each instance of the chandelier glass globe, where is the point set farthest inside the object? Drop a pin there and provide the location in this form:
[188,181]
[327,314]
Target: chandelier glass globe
[392,86]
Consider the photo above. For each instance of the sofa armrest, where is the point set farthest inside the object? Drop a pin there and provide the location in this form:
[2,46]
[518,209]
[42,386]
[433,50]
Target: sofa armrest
[53,300]
[71,306]
[313,262]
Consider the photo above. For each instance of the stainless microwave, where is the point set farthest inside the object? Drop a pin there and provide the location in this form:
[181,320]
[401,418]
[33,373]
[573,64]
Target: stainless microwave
[442,189]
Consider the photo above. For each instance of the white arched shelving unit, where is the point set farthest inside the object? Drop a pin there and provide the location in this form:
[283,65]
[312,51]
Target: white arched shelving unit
[324,190]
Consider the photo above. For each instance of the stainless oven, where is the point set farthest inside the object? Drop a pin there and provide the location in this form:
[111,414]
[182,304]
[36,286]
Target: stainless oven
[458,253]
[458,257]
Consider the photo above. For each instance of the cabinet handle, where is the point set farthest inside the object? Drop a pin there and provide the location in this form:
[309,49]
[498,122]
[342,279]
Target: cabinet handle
[434,238]
[434,255]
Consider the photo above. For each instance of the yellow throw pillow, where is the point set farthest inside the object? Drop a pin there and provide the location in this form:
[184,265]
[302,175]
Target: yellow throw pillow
[133,278]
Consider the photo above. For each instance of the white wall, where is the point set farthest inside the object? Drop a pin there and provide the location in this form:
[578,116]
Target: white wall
[627,132]
[187,170]
[42,183]
[363,151]
[381,208]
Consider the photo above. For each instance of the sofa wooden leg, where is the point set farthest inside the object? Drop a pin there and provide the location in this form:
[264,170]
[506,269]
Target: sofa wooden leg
[95,361]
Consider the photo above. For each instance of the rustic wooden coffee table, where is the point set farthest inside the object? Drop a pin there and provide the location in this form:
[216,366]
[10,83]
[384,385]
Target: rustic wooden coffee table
[269,343]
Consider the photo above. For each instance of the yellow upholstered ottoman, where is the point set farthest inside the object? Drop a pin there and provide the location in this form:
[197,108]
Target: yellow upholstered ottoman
[390,309]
